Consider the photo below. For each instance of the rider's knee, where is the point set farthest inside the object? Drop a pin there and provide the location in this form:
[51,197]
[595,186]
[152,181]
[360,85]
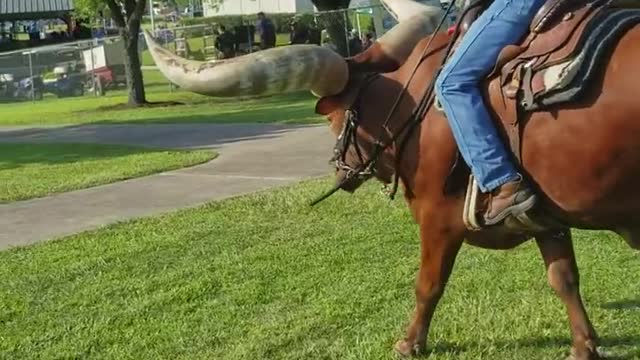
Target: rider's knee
[448,85]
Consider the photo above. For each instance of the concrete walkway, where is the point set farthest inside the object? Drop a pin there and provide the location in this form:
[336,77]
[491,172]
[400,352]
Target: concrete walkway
[251,158]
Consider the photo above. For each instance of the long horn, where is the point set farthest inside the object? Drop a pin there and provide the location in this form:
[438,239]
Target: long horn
[415,22]
[277,70]
[404,9]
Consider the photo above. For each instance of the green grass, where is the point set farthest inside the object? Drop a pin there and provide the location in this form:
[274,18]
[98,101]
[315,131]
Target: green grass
[288,108]
[266,277]
[35,170]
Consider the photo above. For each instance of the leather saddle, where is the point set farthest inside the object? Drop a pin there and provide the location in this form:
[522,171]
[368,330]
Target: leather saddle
[522,72]
[554,37]
[554,63]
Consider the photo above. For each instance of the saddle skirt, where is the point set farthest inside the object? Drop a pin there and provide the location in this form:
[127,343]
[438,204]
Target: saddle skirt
[557,65]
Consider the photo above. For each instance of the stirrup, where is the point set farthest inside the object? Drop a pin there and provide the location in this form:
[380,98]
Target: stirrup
[469,213]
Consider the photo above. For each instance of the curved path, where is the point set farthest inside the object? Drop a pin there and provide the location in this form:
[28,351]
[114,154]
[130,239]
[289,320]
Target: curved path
[251,158]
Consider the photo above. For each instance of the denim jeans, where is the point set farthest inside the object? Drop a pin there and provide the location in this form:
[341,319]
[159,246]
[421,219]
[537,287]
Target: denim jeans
[505,22]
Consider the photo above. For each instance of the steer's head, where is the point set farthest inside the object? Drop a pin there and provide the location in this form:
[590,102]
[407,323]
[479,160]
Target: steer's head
[335,80]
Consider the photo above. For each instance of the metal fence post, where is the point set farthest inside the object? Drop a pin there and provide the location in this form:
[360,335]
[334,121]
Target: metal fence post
[33,94]
[151,14]
[93,70]
[346,31]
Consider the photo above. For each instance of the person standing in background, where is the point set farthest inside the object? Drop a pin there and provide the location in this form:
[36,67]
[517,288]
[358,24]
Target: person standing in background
[266,30]
[299,34]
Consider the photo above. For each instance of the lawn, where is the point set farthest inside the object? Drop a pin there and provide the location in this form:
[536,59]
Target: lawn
[266,277]
[288,108]
[35,170]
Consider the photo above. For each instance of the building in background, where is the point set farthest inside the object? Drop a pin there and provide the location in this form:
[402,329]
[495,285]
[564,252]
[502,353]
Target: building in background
[252,7]
[11,10]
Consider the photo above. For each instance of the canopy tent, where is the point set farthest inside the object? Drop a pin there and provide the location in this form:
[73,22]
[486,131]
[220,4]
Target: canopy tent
[13,10]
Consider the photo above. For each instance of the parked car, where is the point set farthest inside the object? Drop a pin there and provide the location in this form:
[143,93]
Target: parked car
[66,83]
[12,89]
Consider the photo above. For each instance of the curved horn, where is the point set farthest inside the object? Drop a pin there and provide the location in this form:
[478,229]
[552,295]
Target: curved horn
[404,9]
[289,68]
[415,22]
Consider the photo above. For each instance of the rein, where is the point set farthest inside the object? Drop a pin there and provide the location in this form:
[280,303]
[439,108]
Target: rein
[366,170]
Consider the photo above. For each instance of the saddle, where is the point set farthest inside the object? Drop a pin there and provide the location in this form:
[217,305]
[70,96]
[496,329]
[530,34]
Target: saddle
[554,63]
[551,41]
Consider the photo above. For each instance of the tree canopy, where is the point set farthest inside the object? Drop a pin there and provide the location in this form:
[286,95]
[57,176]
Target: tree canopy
[88,9]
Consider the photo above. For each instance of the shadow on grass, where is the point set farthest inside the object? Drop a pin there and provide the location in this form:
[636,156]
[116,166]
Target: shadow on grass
[183,126]
[443,347]
[627,304]
[292,114]
[240,103]
[20,154]
[177,136]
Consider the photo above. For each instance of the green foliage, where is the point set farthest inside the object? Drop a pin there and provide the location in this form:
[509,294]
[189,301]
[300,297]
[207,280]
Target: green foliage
[88,9]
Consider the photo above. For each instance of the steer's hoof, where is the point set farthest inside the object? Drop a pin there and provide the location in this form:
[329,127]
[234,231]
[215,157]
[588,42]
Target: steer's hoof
[405,348]
[584,354]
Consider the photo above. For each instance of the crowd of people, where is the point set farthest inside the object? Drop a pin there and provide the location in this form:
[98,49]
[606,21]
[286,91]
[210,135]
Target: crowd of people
[300,32]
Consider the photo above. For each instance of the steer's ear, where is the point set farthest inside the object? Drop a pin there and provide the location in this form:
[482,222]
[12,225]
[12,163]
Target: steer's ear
[328,105]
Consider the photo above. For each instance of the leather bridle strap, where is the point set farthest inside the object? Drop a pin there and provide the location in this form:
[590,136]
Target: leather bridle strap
[417,116]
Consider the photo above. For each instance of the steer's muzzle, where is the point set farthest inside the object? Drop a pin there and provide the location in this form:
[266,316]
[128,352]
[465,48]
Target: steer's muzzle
[350,184]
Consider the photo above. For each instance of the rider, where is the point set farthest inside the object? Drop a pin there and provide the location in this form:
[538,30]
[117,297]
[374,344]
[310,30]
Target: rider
[503,23]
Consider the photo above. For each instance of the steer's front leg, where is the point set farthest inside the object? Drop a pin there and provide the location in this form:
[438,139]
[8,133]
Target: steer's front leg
[440,244]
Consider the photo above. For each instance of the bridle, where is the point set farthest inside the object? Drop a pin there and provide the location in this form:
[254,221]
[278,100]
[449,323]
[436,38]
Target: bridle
[349,136]
[365,170]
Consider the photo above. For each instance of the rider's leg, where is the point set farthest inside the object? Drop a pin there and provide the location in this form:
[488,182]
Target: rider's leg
[458,88]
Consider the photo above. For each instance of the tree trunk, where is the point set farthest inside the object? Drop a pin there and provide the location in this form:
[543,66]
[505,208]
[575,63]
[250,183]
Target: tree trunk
[129,29]
[132,66]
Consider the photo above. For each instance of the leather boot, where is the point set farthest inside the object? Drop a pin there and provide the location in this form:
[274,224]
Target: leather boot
[512,198]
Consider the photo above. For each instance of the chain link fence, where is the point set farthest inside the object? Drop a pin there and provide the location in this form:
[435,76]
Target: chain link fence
[96,67]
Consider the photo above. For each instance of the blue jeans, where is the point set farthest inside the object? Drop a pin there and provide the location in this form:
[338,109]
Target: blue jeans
[505,22]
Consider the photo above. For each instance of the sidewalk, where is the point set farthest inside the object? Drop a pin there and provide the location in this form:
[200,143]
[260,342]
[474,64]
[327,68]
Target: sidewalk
[251,158]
